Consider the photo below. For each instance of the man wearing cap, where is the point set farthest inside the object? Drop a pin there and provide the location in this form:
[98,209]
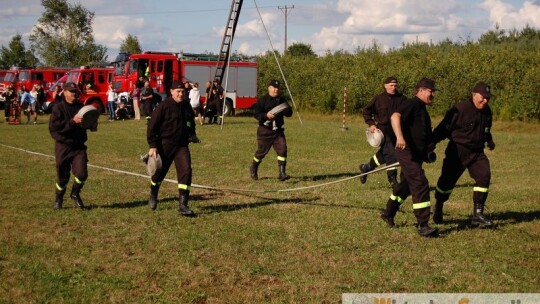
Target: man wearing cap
[377,116]
[468,127]
[170,130]
[270,132]
[412,126]
[66,128]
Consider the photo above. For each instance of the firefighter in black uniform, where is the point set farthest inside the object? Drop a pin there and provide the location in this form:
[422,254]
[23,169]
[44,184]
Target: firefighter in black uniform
[270,132]
[412,126]
[70,149]
[170,130]
[377,115]
[468,127]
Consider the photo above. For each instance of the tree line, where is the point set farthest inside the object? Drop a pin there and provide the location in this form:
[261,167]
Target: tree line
[507,60]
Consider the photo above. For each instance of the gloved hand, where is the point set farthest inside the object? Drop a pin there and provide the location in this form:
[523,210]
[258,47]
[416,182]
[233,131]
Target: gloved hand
[431,157]
[194,139]
[490,144]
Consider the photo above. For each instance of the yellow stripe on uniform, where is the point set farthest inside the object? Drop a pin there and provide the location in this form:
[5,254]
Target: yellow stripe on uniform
[421,205]
[78,181]
[256,160]
[480,189]
[59,188]
[281,158]
[396,198]
[443,191]
[184,187]
[376,160]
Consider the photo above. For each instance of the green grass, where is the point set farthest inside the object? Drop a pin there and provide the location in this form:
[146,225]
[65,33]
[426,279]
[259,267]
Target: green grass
[305,247]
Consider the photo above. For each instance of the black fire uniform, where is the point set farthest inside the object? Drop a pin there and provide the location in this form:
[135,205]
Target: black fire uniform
[416,128]
[147,101]
[9,96]
[271,133]
[69,148]
[468,130]
[378,112]
[169,130]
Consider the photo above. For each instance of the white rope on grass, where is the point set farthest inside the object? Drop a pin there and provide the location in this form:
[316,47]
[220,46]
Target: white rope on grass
[221,188]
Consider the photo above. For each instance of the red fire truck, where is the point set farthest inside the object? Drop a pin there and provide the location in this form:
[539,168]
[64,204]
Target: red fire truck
[93,83]
[29,77]
[161,69]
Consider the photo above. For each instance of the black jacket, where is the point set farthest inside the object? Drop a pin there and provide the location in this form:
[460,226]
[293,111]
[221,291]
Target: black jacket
[267,103]
[62,127]
[416,126]
[379,110]
[171,123]
[466,126]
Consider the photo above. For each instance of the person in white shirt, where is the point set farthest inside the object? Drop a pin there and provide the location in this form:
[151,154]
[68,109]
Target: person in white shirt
[194,100]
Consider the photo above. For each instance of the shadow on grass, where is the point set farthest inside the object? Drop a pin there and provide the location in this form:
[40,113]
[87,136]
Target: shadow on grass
[323,176]
[140,203]
[500,219]
[266,202]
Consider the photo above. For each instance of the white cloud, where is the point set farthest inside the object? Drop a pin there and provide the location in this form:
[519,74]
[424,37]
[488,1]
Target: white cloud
[507,17]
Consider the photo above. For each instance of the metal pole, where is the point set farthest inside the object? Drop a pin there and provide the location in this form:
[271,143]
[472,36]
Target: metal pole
[343,126]
[285,11]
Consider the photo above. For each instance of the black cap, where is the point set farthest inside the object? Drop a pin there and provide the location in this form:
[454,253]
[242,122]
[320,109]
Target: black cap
[390,80]
[177,84]
[274,83]
[71,86]
[426,83]
[483,89]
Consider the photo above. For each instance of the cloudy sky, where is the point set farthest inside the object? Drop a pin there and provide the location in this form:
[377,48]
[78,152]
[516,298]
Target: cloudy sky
[198,26]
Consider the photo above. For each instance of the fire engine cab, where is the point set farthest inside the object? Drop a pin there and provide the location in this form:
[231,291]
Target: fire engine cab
[161,69]
[29,77]
[93,83]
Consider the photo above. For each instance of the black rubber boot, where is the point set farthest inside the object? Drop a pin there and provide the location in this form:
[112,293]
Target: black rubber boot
[153,198]
[478,218]
[282,175]
[183,204]
[59,200]
[426,231]
[76,197]
[253,170]
[364,168]
[438,212]
[389,213]
[392,178]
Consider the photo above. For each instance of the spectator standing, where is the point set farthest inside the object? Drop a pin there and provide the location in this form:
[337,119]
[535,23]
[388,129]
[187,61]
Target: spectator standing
[111,101]
[195,101]
[147,100]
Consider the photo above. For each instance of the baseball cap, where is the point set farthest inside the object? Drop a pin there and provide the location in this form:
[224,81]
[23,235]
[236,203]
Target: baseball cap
[483,89]
[274,83]
[71,86]
[390,80]
[177,84]
[426,83]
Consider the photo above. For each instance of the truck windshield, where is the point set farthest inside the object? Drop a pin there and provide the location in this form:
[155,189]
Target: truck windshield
[11,77]
[24,76]
[73,77]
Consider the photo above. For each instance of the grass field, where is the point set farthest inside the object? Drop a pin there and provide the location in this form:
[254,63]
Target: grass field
[295,247]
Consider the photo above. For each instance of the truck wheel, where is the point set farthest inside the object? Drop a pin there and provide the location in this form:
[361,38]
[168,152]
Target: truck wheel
[229,110]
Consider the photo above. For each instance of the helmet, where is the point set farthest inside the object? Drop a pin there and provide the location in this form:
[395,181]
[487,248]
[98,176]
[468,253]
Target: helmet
[374,139]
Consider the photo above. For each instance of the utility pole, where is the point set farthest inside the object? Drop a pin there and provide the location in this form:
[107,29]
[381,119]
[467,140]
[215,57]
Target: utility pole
[285,11]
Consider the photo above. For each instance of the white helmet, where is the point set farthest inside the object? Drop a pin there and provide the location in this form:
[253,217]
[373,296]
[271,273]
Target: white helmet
[374,139]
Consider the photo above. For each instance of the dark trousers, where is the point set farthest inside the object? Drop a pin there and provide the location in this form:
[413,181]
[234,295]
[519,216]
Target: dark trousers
[266,139]
[413,182]
[70,158]
[385,155]
[457,159]
[181,156]
[147,107]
